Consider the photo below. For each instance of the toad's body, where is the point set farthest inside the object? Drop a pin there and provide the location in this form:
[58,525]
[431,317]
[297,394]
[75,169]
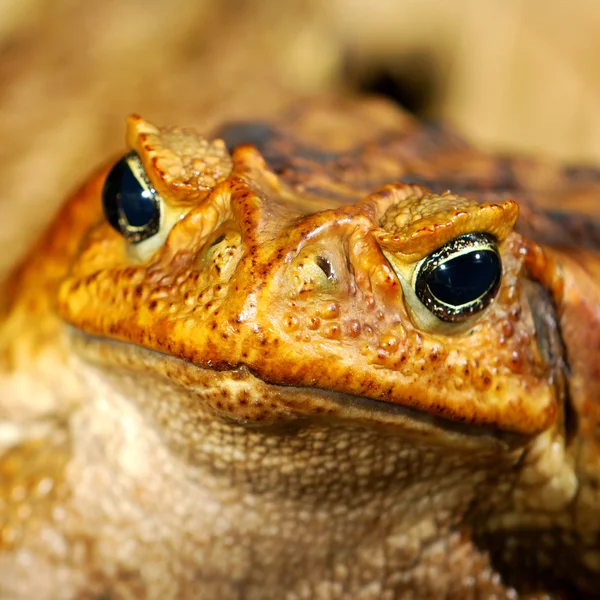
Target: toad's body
[248,398]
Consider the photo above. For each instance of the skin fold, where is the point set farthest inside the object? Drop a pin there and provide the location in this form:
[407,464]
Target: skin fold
[253,402]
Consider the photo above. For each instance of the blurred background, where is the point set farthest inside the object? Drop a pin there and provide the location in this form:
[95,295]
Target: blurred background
[511,75]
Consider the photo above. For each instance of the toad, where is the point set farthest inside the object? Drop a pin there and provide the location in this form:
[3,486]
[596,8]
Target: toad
[335,355]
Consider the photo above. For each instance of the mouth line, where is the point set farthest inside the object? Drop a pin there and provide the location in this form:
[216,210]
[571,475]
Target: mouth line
[338,406]
[396,413]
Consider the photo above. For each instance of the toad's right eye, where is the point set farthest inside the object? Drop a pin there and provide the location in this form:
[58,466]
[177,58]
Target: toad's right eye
[131,204]
[461,278]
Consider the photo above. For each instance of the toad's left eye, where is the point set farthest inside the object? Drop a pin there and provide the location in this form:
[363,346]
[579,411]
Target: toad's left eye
[461,278]
[131,205]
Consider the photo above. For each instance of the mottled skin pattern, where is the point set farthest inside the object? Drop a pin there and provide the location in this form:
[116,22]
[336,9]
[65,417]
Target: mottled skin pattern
[253,404]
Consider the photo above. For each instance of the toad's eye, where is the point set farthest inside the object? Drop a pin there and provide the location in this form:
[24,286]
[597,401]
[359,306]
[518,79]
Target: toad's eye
[461,278]
[131,205]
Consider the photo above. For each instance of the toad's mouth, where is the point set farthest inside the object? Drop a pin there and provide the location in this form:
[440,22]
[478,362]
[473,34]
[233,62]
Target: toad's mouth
[235,394]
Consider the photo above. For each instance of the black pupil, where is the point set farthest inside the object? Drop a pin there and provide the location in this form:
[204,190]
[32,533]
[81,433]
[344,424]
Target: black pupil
[124,193]
[465,278]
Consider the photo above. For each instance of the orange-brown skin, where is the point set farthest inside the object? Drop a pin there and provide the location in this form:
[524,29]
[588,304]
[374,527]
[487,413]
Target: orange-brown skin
[252,403]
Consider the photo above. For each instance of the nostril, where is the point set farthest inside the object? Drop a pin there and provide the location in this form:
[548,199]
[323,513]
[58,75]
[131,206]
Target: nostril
[325,266]
[217,240]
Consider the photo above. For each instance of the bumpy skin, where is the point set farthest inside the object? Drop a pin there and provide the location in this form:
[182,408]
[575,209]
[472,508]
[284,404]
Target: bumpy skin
[253,404]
